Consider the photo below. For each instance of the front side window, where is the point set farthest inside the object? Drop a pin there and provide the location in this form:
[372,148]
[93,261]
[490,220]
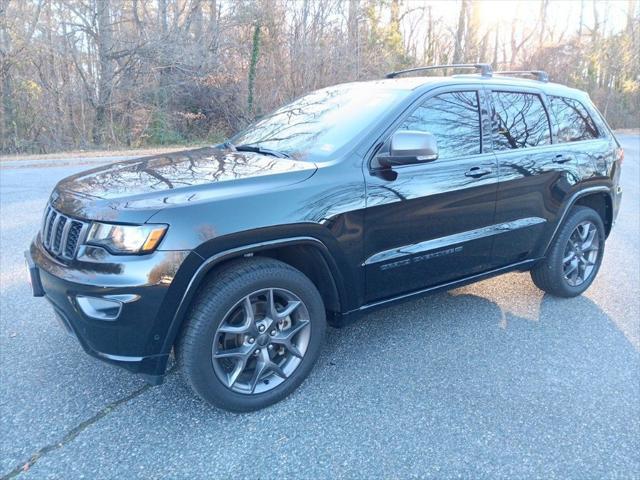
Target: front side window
[519,121]
[574,122]
[453,119]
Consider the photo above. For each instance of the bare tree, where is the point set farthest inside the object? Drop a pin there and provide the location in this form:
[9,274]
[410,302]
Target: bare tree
[93,73]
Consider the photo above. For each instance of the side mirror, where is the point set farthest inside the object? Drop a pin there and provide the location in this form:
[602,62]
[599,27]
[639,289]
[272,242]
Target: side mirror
[410,146]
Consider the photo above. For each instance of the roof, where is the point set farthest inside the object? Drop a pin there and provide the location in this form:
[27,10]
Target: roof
[416,82]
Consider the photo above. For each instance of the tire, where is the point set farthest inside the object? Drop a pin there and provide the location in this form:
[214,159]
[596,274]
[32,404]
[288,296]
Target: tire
[235,351]
[551,275]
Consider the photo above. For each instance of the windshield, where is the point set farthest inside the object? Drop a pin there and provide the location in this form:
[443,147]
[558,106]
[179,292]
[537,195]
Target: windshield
[317,125]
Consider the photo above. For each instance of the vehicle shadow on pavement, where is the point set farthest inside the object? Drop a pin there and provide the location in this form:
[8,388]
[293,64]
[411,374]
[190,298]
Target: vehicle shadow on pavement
[454,380]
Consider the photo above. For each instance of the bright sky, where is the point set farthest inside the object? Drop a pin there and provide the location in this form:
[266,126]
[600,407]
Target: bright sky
[560,13]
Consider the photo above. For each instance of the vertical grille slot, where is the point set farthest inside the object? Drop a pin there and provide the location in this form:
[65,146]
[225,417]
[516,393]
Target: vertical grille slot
[61,235]
[72,239]
[51,218]
[57,235]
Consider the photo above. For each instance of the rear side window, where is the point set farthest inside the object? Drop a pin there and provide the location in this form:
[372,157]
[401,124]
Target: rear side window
[519,121]
[453,119]
[574,122]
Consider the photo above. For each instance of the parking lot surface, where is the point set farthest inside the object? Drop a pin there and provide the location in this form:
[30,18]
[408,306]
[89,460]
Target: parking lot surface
[493,380]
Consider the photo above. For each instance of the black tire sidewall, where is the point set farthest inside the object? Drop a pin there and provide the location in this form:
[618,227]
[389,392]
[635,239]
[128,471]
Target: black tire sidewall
[209,312]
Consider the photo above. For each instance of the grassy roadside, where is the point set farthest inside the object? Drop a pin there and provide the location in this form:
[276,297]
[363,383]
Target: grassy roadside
[82,154]
[627,131]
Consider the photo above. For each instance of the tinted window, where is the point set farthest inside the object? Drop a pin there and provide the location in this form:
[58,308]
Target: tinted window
[519,121]
[574,122]
[454,120]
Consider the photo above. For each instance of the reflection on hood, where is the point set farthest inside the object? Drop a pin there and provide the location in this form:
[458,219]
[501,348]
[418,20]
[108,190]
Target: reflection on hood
[176,170]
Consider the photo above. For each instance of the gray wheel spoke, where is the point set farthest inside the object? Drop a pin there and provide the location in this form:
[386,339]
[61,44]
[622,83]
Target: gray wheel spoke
[285,312]
[572,267]
[285,338]
[569,257]
[583,231]
[239,368]
[288,344]
[293,350]
[271,304]
[288,309]
[588,242]
[293,331]
[261,369]
[275,368]
[233,329]
[240,352]
[247,308]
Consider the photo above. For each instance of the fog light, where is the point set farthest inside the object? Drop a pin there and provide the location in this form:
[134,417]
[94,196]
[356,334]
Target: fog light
[99,308]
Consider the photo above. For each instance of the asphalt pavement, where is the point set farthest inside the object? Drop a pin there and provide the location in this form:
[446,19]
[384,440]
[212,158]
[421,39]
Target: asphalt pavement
[493,380]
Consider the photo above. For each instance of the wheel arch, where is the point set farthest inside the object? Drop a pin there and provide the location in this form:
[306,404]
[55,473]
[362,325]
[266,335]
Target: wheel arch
[602,203]
[598,198]
[307,254]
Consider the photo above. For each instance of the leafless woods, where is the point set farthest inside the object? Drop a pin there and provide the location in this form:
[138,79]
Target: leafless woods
[96,73]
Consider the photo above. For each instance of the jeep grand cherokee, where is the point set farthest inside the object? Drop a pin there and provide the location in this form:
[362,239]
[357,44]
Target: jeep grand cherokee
[350,198]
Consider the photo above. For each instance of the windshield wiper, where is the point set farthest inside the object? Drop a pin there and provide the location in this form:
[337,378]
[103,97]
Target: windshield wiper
[256,149]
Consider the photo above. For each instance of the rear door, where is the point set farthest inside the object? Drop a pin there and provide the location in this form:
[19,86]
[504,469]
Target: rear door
[430,223]
[534,174]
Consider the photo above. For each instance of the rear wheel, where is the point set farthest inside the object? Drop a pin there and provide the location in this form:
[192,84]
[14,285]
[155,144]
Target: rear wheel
[575,256]
[253,334]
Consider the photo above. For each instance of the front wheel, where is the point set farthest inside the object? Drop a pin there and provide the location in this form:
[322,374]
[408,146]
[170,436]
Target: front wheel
[253,334]
[575,256]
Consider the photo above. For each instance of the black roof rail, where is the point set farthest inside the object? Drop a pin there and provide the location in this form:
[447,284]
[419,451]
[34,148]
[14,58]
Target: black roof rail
[485,69]
[540,75]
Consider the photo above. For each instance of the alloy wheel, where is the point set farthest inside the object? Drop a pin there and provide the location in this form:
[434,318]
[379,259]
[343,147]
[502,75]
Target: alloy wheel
[581,253]
[261,341]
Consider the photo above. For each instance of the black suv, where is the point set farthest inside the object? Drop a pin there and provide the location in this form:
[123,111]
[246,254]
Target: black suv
[350,198]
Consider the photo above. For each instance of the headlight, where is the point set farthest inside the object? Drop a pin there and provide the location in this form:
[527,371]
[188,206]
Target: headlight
[126,238]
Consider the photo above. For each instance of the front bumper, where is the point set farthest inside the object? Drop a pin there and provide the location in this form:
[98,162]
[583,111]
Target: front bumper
[135,338]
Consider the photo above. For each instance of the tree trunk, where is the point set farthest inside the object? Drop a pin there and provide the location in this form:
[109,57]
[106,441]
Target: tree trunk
[543,21]
[495,47]
[353,50]
[105,70]
[6,88]
[255,55]
[162,17]
[457,52]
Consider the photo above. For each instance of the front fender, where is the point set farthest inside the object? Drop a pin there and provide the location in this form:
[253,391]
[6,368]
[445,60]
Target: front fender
[214,252]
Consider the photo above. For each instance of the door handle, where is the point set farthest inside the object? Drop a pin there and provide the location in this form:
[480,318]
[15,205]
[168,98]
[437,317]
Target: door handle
[477,172]
[562,158]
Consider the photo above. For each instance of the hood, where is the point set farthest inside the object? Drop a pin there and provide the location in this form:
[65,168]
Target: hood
[110,192]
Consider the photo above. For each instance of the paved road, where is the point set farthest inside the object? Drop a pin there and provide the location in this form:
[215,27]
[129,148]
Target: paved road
[487,381]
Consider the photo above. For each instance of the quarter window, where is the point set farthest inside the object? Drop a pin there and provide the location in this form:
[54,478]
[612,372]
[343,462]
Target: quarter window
[574,122]
[519,121]
[453,119]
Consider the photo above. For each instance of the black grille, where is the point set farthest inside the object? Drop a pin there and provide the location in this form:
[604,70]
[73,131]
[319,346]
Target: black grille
[61,234]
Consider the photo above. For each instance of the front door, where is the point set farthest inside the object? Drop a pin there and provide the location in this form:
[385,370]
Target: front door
[430,223]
